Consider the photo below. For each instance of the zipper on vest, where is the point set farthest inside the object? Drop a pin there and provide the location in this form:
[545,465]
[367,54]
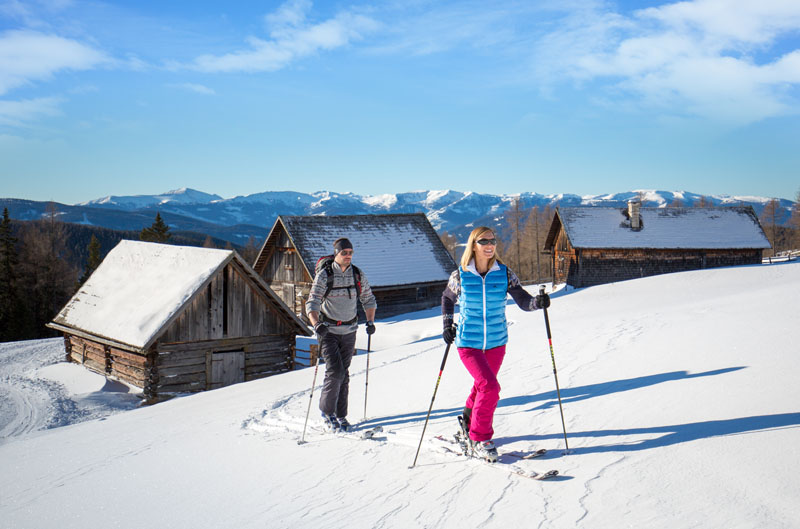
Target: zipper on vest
[483,279]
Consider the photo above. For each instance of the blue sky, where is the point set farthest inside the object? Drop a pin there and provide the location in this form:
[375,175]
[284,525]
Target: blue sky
[236,98]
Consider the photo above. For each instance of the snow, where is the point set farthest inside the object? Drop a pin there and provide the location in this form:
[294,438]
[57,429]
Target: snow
[382,246]
[137,288]
[384,201]
[679,394]
[39,391]
[707,228]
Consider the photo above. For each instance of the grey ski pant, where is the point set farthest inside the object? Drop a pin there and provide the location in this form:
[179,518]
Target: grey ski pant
[337,351]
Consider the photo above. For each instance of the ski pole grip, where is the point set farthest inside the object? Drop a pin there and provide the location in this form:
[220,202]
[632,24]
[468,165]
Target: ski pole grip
[541,289]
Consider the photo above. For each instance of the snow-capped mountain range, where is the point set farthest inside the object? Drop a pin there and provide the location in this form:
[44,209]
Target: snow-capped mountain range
[238,218]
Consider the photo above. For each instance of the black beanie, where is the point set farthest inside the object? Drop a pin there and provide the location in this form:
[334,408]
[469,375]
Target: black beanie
[341,244]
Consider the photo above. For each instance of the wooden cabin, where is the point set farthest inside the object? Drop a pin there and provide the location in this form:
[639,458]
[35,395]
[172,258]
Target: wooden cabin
[596,245]
[401,255]
[175,319]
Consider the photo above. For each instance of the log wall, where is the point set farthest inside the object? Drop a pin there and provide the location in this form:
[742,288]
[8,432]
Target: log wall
[134,368]
[187,367]
[182,367]
[409,299]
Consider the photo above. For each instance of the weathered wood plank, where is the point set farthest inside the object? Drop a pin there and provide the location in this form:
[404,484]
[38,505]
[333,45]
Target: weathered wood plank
[188,370]
[131,358]
[187,387]
[137,376]
[190,378]
[179,356]
[223,343]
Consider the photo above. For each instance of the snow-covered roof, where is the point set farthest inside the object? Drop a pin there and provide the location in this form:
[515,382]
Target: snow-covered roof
[138,288]
[400,249]
[664,228]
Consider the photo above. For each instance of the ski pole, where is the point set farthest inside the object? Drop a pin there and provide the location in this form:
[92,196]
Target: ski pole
[555,373]
[447,350]
[366,385]
[310,398]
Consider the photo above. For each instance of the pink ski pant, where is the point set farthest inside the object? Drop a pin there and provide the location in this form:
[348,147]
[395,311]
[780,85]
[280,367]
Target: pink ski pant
[483,366]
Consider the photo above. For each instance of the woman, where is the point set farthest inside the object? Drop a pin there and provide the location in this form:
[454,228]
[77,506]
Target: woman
[480,286]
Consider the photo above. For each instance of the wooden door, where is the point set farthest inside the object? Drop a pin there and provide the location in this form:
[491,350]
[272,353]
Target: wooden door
[227,368]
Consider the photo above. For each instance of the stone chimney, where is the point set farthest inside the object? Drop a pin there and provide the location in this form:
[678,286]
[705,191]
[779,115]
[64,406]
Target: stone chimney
[633,212]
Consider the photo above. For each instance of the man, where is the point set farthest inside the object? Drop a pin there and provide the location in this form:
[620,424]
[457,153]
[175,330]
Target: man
[332,310]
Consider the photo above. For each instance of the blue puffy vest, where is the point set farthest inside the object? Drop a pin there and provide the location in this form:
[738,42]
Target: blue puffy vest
[482,308]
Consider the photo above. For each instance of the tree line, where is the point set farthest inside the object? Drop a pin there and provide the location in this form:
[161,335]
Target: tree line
[44,262]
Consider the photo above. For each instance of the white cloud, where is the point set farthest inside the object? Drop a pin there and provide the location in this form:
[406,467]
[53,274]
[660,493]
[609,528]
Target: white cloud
[27,56]
[291,37]
[691,57]
[197,88]
[18,113]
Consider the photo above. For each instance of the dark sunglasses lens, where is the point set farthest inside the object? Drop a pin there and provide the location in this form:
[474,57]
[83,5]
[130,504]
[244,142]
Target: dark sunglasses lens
[484,242]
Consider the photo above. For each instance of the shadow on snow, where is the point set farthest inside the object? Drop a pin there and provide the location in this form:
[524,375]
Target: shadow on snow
[669,435]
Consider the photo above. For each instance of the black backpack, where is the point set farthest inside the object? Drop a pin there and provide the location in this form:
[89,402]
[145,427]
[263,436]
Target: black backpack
[326,262]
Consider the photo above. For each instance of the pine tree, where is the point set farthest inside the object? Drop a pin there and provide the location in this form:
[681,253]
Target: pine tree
[157,232]
[49,279]
[10,324]
[94,259]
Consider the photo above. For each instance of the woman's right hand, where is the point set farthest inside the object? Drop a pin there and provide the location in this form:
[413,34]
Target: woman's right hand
[449,334]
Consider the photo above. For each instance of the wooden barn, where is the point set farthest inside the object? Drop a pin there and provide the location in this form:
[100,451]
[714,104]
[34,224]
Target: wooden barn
[175,319]
[404,260]
[596,245]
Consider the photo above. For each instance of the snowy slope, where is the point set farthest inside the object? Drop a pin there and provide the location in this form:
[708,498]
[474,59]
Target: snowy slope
[679,393]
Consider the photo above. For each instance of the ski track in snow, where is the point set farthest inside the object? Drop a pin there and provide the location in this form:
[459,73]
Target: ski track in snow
[28,403]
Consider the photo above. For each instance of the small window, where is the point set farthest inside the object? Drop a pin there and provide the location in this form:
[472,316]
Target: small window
[422,294]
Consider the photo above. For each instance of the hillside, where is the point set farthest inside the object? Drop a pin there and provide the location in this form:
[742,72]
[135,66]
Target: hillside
[679,394]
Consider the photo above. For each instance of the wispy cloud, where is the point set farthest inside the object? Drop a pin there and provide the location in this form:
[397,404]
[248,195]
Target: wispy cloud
[196,88]
[292,36]
[27,56]
[709,58]
[19,113]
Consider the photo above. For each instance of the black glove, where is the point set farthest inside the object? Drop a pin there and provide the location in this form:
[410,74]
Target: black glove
[449,334]
[321,329]
[370,327]
[542,301]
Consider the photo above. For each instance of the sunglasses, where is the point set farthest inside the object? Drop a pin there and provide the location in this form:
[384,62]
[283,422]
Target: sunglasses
[346,252]
[484,242]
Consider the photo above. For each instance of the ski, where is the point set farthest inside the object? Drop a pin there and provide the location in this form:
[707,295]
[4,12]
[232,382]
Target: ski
[514,453]
[505,466]
[461,439]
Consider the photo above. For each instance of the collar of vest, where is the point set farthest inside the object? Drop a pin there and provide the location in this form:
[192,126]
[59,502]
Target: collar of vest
[471,267]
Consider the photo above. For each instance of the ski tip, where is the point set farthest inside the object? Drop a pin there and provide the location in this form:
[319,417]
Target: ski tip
[547,475]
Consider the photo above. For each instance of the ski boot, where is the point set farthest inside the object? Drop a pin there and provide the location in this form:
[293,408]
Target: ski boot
[330,422]
[485,450]
[344,426]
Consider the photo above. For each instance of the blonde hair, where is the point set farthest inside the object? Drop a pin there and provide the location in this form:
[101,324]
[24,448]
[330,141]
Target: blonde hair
[469,252]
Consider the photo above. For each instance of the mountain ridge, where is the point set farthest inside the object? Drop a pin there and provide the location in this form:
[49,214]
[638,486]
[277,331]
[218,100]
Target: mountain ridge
[241,217]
